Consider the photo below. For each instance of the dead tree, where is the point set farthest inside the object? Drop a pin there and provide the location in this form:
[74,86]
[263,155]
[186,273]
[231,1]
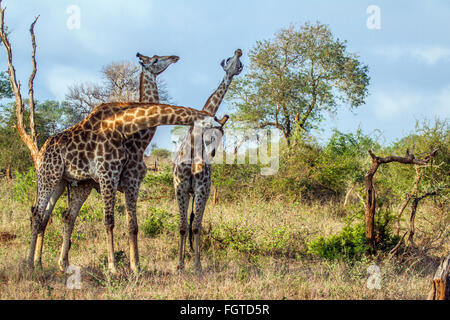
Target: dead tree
[407,200]
[370,190]
[30,139]
[414,205]
[440,289]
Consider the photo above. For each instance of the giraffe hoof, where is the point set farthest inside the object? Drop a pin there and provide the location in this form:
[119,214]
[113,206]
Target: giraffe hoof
[112,269]
[180,269]
[63,266]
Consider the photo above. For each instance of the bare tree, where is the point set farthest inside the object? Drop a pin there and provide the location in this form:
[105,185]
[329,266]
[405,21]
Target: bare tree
[370,190]
[120,83]
[30,139]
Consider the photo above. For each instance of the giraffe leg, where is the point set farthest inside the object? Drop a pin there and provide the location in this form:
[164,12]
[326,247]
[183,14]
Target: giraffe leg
[130,182]
[200,203]
[131,195]
[48,210]
[183,205]
[108,189]
[78,196]
[38,214]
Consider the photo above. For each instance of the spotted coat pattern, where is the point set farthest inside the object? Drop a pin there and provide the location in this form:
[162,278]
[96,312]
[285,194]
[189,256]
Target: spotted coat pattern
[135,169]
[94,149]
[191,175]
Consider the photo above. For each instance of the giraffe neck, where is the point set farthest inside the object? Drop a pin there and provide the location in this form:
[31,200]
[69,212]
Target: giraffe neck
[214,101]
[129,119]
[148,90]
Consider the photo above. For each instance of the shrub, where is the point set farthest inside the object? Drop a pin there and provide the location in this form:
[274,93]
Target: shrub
[158,184]
[158,221]
[351,243]
[25,186]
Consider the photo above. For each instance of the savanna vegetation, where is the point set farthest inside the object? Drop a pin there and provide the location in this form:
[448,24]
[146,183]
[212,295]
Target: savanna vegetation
[297,234]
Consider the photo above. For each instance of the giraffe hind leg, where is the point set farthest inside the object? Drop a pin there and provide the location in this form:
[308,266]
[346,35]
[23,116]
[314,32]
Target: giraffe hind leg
[131,195]
[108,187]
[78,196]
[201,197]
[183,204]
[191,220]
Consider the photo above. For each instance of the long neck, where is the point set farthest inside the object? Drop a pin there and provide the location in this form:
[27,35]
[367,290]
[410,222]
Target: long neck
[148,90]
[136,117]
[214,101]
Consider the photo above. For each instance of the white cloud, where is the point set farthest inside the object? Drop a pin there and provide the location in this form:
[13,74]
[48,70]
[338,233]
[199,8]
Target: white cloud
[398,104]
[430,55]
[59,78]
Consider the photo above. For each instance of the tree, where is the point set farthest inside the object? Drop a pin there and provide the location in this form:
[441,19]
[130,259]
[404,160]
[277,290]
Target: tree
[295,78]
[50,118]
[28,138]
[120,83]
[161,153]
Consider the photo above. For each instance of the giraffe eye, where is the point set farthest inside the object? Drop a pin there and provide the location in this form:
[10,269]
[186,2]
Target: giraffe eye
[155,61]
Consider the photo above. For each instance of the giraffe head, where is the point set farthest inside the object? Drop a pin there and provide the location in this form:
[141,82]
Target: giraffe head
[212,138]
[156,64]
[233,66]
[206,138]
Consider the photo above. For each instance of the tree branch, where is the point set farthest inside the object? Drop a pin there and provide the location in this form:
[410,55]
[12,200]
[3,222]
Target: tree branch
[31,101]
[29,141]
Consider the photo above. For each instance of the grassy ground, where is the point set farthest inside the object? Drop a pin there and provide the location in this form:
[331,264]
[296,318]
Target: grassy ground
[250,250]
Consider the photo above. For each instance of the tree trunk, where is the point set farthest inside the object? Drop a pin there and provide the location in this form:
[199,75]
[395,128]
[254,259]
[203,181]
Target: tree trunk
[347,196]
[440,289]
[405,203]
[412,228]
[215,196]
[370,205]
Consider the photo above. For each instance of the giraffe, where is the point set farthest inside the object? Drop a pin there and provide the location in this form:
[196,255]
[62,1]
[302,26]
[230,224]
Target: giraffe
[191,175]
[134,171]
[94,149]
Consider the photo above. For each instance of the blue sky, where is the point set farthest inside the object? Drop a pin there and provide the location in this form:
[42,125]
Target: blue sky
[409,57]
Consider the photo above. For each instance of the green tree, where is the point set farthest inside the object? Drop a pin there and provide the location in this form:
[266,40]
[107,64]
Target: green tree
[293,79]
[5,86]
[161,153]
[50,118]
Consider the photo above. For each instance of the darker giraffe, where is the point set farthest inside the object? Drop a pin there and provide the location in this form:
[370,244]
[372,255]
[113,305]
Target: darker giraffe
[192,168]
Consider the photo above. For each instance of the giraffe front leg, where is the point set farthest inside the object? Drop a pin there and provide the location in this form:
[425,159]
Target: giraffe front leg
[47,186]
[78,196]
[48,210]
[183,204]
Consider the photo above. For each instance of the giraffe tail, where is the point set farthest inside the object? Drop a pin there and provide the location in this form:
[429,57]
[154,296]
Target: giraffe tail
[191,220]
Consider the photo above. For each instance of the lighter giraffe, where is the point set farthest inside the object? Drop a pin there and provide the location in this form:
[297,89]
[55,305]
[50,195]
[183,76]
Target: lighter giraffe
[192,170]
[94,149]
[134,171]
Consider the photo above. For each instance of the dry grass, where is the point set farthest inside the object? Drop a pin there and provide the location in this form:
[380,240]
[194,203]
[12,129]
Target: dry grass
[268,261]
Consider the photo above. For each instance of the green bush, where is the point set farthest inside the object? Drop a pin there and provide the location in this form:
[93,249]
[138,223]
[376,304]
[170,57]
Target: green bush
[158,221]
[158,184]
[25,186]
[351,243]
